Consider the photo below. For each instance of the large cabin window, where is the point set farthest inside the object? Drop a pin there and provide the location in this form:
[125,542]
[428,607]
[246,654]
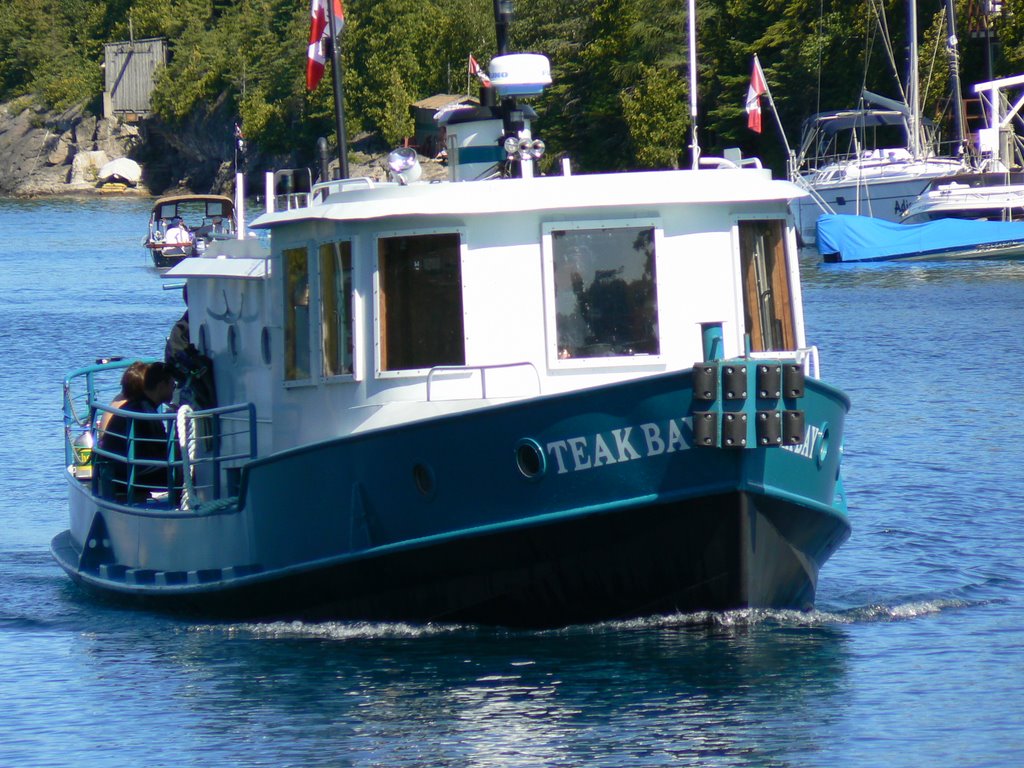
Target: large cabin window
[767,299]
[420,302]
[605,297]
[336,307]
[296,316]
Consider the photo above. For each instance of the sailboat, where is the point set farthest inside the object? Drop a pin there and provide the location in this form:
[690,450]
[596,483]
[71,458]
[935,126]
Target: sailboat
[976,215]
[996,191]
[874,160]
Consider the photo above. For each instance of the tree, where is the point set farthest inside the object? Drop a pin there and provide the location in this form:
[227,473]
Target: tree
[655,113]
[620,67]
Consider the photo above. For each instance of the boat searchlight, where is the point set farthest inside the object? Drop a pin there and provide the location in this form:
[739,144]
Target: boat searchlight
[404,165]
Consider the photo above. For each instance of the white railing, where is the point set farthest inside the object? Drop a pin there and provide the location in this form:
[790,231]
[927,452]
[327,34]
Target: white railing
[471,371]
[806,357]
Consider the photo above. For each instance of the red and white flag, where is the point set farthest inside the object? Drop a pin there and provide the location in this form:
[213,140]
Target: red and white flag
[757,89]
[319,34]
[475,70]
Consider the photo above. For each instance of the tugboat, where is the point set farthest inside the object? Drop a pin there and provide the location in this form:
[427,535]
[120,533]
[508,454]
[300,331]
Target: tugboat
[506,398]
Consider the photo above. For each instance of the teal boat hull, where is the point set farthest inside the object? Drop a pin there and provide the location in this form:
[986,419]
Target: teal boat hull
[591,505]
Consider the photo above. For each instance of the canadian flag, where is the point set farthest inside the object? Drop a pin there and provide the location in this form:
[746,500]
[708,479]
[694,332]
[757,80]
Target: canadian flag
[754,93]
[476,71]
[319,34]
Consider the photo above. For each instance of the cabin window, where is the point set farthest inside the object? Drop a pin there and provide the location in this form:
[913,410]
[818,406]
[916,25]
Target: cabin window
[420,302]
[605,300]
[336,307]
[767,299]
[296,318]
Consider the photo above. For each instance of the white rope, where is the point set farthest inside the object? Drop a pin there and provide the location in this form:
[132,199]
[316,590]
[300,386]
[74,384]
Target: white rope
[187,441]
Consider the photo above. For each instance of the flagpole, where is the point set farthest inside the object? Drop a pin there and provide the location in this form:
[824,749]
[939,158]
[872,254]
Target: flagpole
[771,103]
[339,98]
[694,145]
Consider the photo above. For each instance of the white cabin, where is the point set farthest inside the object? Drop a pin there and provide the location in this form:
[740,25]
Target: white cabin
[383,303]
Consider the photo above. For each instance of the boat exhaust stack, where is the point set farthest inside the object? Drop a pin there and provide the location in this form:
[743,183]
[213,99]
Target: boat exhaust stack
[712,341]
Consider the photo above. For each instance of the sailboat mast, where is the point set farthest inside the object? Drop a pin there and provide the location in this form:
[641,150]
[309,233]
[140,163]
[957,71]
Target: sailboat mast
[913,97]
[954,75]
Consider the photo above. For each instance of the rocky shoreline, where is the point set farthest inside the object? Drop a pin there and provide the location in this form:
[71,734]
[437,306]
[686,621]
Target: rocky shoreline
[45,153]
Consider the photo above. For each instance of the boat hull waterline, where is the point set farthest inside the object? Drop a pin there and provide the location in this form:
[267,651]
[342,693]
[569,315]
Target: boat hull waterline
[617,514]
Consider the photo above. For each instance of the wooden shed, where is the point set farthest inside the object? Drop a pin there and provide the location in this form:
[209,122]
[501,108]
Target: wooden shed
[130,68]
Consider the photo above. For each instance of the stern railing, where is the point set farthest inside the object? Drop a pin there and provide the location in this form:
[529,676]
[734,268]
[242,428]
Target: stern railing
[181,458]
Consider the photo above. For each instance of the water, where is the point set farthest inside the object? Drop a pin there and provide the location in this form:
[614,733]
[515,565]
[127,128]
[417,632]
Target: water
[914,657]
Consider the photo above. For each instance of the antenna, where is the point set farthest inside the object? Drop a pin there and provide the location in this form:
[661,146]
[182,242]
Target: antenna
[694,145]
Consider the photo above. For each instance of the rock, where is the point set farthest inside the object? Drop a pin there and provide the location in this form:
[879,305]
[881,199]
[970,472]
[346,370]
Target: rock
[117,138]
[85,133]
[37,147]
[85,168]
[60,154]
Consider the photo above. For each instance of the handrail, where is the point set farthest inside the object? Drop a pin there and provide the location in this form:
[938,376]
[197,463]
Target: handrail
[206,434]
[216,440]
[708,161]
[483,369]
[805,185]
[322,189]
[806,357]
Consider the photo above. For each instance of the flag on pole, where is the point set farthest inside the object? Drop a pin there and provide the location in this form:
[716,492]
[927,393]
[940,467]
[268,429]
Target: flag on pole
[754,93]
[475,70]
[319,34]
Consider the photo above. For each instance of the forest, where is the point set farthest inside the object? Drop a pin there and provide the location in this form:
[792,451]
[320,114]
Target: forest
[620,96]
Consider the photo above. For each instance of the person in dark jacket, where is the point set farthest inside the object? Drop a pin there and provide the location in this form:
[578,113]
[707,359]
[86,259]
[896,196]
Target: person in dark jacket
[140,438]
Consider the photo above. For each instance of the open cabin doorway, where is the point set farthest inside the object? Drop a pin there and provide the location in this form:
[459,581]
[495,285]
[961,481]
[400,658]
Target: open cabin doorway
[767,299]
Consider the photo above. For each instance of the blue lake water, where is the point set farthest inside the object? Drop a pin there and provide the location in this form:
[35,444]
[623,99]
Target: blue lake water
[914,656]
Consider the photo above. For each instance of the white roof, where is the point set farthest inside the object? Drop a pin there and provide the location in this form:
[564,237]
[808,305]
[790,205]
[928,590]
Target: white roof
[201,267]
[226,258]
[635,189]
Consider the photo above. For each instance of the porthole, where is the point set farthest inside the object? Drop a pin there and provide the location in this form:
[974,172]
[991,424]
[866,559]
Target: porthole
[823,445]
[423,477]
[233,341]
[265,345]
[530,459]
[204,341]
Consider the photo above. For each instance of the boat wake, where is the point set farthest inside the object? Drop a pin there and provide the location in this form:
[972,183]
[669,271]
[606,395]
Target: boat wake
[759,617]
[330,630]
[724,620]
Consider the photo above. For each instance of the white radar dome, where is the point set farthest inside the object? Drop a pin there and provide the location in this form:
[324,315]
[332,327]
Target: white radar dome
[520,74]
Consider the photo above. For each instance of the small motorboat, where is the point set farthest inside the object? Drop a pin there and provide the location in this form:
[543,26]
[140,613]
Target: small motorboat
[184,225]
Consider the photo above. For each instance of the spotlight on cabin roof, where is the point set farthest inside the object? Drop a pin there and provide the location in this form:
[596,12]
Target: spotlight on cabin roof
[523,149]
[520,74]
[404,165]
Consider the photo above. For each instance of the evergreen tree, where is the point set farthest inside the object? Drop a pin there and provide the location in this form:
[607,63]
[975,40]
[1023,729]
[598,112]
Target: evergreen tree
[620,91]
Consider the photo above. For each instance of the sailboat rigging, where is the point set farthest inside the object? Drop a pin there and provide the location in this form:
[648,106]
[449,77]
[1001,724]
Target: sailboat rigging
[848,166]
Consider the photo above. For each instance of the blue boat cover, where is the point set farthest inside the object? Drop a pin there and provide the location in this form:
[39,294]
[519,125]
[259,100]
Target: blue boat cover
[844,237]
